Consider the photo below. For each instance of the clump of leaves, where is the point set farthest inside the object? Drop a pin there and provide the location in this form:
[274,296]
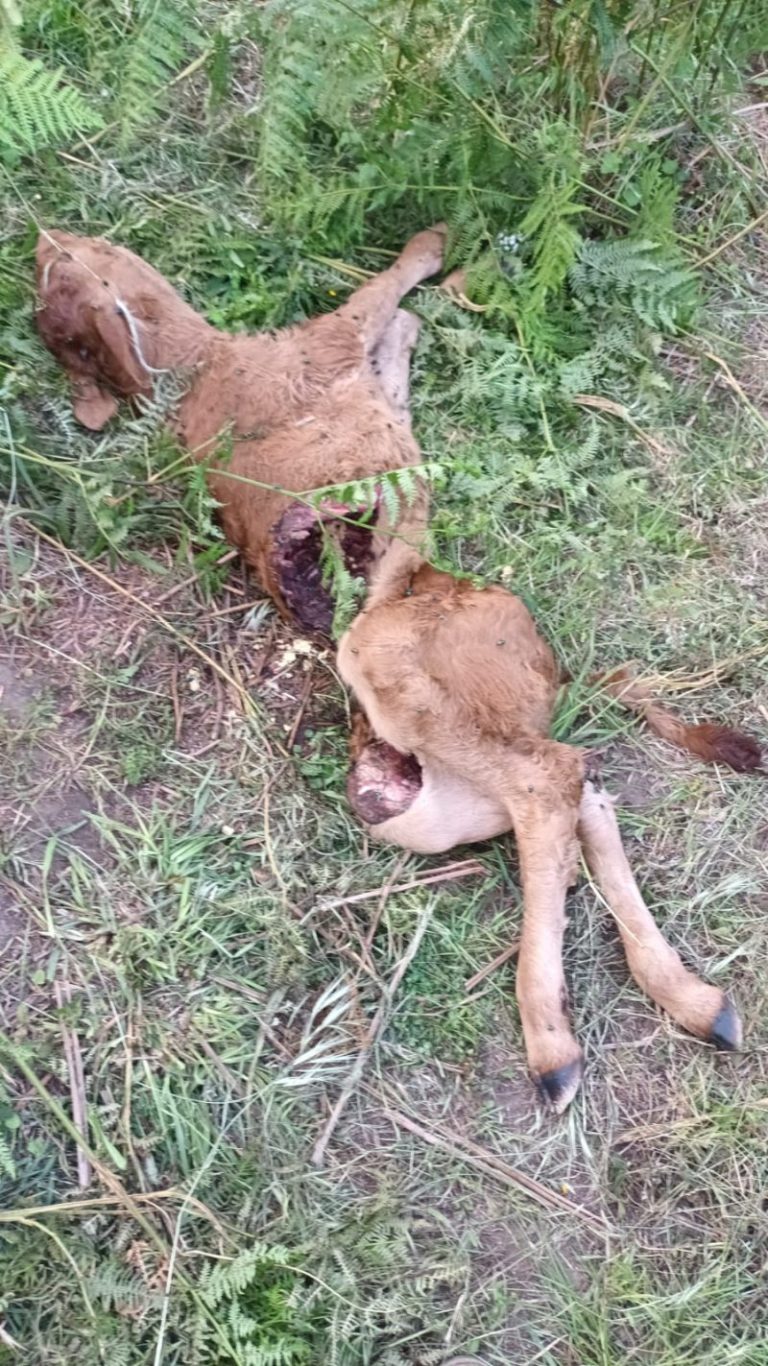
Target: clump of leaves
[356,1285]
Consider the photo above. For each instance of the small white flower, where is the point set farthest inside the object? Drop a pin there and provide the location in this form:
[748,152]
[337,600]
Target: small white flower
[508,241]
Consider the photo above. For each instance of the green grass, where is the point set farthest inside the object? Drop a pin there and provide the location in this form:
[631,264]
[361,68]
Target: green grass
[186,865]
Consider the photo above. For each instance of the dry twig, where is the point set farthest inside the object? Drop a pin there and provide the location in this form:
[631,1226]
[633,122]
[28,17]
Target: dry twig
[63,994]
[613,409]
[466,868]
[299,717]
[7,1341]
[487,1161]
[238,606]
[178,711]
[383,899]
[497,962]
[737,388]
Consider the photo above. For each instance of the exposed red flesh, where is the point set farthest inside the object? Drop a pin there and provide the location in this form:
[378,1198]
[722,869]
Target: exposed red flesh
[382,782]
[297,543]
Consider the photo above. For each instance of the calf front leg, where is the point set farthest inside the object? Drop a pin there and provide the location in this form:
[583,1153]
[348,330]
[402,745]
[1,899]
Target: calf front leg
[656,967]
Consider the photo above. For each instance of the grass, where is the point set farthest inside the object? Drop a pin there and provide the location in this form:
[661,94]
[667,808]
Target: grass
[179,872]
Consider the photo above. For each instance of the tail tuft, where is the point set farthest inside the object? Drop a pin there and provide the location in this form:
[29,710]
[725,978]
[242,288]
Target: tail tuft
[709,741]
[723,745]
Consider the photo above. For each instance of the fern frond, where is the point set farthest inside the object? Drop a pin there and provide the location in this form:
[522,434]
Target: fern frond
[118,1289]
[554,240]
[164,34]
[231,1278]
[36,108]
[286,1352]
[120,1353]
[640,277]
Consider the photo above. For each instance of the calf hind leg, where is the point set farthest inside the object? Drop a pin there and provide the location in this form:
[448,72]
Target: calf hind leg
[701,1009]
[543,800]
[426,812]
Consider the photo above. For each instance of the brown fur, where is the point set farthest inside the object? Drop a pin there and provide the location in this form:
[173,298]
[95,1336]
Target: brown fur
[318,404]
[459,679]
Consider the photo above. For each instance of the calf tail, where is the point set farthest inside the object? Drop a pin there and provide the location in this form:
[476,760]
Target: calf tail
[713,743]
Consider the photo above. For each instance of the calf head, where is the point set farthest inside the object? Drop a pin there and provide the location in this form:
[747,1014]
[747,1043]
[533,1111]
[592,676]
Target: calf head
[110,320]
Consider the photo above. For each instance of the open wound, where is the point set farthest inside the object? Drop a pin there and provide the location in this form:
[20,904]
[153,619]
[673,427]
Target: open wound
[297,548]
[383,782]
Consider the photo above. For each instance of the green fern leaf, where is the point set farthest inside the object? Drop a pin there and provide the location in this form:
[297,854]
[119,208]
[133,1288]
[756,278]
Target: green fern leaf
[163,36]
[637,277]
[36,109]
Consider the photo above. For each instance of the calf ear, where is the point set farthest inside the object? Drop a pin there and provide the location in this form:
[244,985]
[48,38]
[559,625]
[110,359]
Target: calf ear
[92,405]
[119,351]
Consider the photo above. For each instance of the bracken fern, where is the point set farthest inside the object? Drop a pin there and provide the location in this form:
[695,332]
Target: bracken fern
[154,48]
[37,107]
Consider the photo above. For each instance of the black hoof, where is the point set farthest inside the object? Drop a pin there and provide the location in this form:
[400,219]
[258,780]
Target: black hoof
[559,1087]
[726,1028]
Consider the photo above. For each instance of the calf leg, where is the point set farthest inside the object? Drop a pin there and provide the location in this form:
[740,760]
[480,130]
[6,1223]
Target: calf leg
[701,1009]
[372,307]
[543,801]
[426,810]
[391,362]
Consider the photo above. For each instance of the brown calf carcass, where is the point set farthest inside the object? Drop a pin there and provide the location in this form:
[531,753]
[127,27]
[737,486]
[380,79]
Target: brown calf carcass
[318,404]
[457,686]
[458,690]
